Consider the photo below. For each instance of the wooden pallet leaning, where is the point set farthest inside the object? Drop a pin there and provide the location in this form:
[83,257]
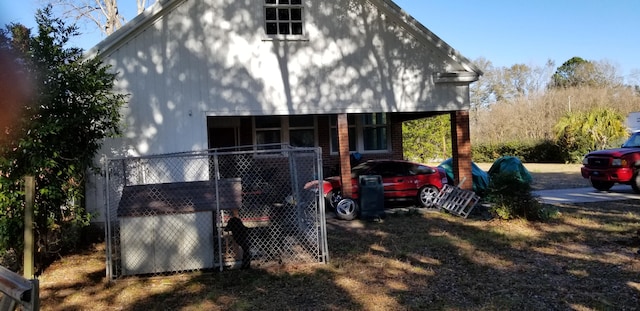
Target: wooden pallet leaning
[457,201]
[17,292]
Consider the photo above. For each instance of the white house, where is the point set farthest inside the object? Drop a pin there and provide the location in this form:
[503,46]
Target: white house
[213,73]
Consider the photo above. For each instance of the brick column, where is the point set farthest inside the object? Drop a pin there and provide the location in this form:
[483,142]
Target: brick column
[345,160]
[461,149]
[397,151]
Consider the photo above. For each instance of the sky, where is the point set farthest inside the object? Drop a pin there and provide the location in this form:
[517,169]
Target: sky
[506,32]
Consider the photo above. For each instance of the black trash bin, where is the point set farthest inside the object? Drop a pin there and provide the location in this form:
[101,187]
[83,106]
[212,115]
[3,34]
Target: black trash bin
[371,197]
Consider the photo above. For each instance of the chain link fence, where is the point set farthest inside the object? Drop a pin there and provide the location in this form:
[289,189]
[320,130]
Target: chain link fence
[170,213]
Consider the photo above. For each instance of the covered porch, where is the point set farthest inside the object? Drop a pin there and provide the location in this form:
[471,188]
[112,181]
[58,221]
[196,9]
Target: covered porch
[371,135]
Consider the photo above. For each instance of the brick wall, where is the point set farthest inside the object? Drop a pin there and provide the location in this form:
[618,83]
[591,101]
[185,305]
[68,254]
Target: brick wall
[397,152]
[461,141]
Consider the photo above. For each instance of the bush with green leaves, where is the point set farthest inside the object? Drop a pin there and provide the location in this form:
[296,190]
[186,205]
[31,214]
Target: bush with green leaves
[72,109]
[511,198]
[578,133]
[545,151]
[428,139]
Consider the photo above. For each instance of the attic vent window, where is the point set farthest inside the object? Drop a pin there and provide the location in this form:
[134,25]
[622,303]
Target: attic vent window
[283,17]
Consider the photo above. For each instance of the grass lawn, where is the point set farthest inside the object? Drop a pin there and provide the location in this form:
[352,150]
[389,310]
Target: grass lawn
[586,259]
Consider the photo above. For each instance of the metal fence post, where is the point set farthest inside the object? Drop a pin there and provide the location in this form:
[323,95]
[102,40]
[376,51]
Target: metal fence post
[29,247]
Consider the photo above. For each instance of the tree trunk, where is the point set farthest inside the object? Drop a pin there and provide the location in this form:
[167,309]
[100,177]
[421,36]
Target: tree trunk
[113,18]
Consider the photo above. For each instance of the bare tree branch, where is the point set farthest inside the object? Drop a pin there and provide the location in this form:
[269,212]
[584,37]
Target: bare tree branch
[141,5]
[104,14]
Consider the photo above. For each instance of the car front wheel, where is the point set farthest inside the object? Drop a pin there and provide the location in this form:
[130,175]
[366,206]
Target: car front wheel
[427,196]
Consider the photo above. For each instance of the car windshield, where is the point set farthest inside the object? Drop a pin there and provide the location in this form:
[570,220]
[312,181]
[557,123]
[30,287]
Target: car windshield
[360,169]
[633,141]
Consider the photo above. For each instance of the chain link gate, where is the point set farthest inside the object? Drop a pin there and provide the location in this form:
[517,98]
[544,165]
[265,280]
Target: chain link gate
[167,213]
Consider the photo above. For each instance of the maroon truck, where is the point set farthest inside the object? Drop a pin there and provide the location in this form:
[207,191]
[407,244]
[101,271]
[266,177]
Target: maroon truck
[604,168]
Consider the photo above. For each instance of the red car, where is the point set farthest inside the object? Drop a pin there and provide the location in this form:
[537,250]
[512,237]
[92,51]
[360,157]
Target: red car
[402,181]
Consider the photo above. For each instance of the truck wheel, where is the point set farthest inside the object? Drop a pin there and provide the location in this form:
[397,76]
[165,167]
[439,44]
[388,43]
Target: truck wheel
[635,181]
[602,185]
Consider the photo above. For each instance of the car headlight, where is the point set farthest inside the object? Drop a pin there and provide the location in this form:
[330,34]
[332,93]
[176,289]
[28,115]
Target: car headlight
[619,162]
[585,161]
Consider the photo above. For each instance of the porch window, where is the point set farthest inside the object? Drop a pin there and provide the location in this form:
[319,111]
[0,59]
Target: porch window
[302,131]
[367,132]
[268,130]
[283,17]
[298,131]
[374,131]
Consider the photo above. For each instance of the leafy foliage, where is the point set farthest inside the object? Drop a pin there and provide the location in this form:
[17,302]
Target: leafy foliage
[581,132]
[546,151]
[59,133]
[499,112]
[576,134]
[568,75]
[427,139]
[515,110]
[577,72]
[511,198]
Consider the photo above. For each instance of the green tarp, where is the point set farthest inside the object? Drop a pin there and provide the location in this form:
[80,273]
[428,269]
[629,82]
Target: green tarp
[508,164]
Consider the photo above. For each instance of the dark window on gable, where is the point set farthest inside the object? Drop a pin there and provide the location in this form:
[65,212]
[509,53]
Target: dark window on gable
[283,17]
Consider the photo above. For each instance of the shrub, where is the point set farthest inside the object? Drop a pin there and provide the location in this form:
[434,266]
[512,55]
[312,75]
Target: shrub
[545,151]
[9,259]
[512,198]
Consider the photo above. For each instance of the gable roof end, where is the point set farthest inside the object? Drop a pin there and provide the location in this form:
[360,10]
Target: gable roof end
[472,73]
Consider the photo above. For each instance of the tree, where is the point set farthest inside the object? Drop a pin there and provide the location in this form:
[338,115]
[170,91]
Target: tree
[480,91]
[565,75]
[427,139]
[604,126]
[577,72]
[60,130]
[507,83]
[578,133]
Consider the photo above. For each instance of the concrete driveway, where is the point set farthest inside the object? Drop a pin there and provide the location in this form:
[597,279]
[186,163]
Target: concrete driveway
[585,195]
